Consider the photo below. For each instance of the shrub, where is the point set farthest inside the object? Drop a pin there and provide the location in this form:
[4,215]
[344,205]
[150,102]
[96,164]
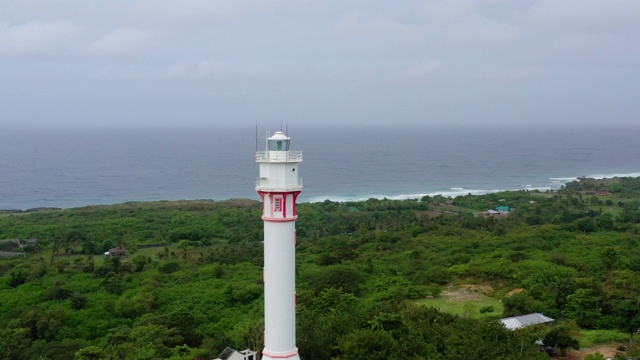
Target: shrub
[487,309]
[169,268]
[78,301]
[595,356]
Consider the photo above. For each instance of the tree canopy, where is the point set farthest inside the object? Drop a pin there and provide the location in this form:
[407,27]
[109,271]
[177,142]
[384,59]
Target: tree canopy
[191,283]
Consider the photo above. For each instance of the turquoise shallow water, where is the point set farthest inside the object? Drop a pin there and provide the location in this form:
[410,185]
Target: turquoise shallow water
[69,167]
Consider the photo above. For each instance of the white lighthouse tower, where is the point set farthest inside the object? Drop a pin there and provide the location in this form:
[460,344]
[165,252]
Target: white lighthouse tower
[279,186]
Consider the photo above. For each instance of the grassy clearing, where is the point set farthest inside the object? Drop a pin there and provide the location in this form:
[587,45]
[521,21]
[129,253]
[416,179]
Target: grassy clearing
[452,209]
[613,210]
[152,252]
[595,337]
[466,301]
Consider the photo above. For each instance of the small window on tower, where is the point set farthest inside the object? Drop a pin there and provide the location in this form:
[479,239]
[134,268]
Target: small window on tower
[277,205]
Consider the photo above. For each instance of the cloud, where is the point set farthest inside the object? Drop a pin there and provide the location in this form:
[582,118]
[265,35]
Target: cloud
[590,15]
[209,68]
[206,69]
[588,31]
[463,20]
[422,71]
[356,25]
[122,42]
[460,21]
[186,10]
[122,72]
[35,37]
[511,74]
[373,74]
[104,72]
[179,70]
[481,29]
[193,13]
[37,3]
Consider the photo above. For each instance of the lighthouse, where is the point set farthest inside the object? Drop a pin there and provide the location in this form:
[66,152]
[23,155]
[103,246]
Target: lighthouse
[279,185]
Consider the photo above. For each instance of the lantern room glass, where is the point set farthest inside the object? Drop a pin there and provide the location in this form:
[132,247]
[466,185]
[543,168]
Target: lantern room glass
[279,145]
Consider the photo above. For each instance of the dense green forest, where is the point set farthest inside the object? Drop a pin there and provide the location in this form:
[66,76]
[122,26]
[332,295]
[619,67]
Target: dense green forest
[192,281]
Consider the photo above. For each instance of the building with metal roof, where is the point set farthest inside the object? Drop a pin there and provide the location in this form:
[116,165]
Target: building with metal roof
[232,354]
[522,321]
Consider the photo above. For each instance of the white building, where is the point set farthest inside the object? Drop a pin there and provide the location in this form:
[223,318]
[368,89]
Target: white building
[232,354]
[522,321]
[279,185]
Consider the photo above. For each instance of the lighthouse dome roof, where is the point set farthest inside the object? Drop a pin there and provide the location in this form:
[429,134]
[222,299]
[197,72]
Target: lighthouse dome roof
[278,135]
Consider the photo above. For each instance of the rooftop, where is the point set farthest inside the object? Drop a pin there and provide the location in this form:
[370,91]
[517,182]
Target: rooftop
[522,321]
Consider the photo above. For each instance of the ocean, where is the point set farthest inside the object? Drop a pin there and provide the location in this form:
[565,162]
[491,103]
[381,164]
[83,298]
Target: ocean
[79,166]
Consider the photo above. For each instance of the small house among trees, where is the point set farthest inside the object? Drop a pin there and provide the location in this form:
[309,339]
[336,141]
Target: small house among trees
[504,209]
[522,321]
[491,213]
[232,354]
[498,211]
[117,251]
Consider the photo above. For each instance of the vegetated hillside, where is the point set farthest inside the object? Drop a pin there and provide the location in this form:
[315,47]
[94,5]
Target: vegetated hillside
[192,282]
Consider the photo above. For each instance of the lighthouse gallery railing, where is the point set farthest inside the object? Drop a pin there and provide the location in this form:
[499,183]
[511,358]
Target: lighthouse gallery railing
[287,156]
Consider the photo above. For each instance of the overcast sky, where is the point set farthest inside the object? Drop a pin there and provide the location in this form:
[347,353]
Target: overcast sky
[210,62]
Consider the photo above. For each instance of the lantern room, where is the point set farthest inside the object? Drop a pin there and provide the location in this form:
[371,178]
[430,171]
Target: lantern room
[278,165]
[278,142]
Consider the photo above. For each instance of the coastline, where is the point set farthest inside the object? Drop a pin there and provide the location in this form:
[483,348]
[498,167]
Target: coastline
[553,184]
[81,167]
